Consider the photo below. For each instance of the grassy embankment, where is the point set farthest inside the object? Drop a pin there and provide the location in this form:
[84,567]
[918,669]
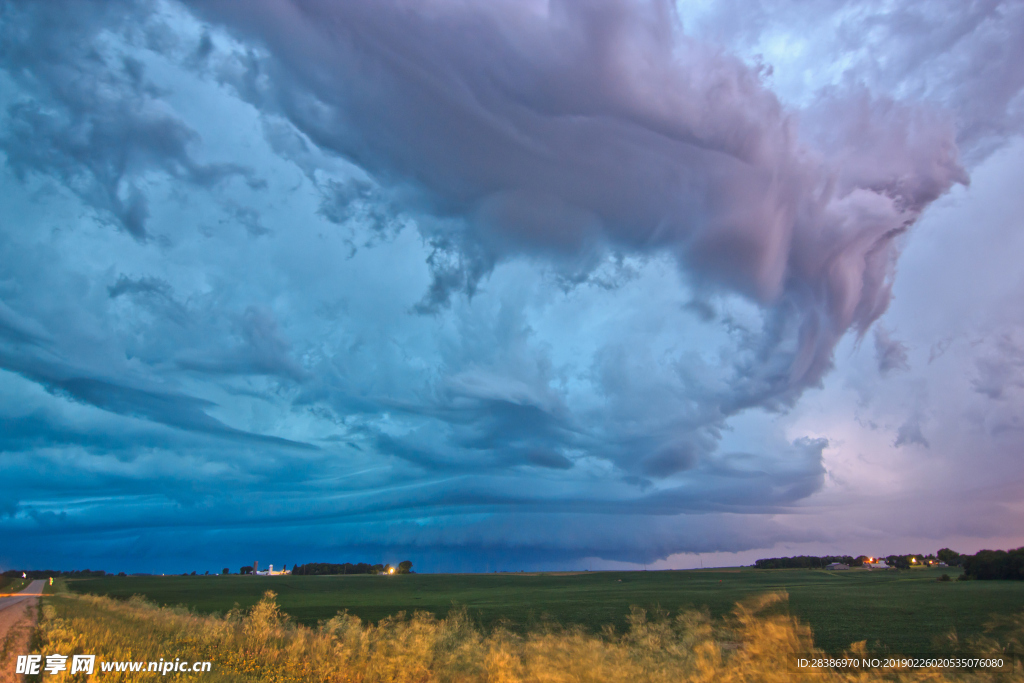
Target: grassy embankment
[894,611]
[757,641]
[12,585]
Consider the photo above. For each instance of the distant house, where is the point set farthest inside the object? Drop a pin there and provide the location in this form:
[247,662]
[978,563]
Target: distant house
[838,566]
[269,571]
[877,565]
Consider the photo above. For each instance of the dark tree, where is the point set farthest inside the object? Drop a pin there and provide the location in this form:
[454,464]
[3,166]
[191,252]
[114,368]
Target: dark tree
[804,562]
[404,567]
[225,571]
[245,570]
[898,561]
[995,564]
[950,557]
[325,568]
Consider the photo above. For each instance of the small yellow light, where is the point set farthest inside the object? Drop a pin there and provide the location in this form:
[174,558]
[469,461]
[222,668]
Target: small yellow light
[391,570]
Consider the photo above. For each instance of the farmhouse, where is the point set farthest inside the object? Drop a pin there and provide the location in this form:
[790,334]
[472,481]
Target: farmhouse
[837,566]
[269,571]
[880,564]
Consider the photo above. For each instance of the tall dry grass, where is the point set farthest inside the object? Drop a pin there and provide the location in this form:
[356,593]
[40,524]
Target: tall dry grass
[757,643]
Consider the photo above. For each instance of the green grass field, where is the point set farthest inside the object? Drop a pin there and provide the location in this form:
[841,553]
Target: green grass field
[899,612]
[10,585]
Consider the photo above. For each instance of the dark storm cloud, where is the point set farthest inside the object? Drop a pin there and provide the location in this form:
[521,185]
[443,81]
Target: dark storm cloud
[910,433]
[890,353]
[164,407]
[565,127]
[457,264]
[19,329]
[279,496]
[263,351]
[87,115]
[621,239]
[249,219]
[359,200]
[43,430]
[142,285]
[432,548]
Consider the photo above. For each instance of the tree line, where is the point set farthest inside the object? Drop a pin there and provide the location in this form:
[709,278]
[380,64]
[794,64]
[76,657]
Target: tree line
[328,569]
[311,569]
[46,573]
[806,562]
[945,555]
[983,565]
[995,564]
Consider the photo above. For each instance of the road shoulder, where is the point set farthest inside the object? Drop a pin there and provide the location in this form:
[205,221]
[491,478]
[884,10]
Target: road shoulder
[17,623]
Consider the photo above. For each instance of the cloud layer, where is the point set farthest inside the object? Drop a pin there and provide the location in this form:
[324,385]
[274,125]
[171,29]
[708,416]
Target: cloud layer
[490,282]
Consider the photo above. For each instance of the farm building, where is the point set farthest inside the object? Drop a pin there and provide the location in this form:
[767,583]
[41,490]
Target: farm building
[269,571]
[837,566]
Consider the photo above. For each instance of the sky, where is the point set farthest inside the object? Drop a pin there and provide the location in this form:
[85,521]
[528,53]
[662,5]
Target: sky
[510,284]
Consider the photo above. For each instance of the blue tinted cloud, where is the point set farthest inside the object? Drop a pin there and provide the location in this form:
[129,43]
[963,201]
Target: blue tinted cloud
[485,283]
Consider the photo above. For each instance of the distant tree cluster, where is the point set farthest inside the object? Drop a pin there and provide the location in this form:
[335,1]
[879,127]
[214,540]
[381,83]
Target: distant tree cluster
[950,557]
[994,564]
[44,573]
[947,556]
[325,568]
[806,562]
[898,561]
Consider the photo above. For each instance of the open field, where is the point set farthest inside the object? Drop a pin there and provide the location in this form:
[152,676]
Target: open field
[896,611]
[757,642]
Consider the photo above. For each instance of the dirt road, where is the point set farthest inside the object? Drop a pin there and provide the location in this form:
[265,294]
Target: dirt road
[17,619]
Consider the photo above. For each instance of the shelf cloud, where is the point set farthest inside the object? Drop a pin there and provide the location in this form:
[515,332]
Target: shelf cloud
[490,282]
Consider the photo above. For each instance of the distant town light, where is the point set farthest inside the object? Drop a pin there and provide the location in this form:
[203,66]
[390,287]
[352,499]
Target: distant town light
[391,570]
